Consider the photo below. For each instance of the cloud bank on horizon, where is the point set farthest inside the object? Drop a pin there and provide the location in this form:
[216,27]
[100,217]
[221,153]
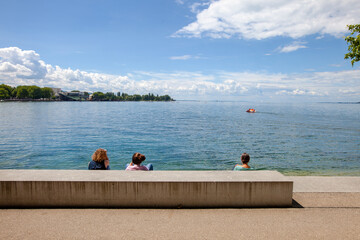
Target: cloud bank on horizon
[25,67]
[258,19]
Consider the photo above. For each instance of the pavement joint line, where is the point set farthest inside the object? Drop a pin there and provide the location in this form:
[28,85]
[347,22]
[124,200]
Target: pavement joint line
[331,207]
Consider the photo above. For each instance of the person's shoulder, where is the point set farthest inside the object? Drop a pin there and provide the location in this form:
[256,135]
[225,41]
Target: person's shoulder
[136,167]
[238,167]
[91,165]
[131,167]
[92,162]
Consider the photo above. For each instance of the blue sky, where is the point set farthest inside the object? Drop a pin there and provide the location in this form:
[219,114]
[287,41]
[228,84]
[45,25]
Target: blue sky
[270,50]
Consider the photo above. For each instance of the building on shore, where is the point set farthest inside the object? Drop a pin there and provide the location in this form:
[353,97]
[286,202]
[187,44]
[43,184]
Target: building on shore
[56,91]
[73,96]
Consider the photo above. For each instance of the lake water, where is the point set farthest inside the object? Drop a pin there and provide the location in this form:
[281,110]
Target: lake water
[295,139]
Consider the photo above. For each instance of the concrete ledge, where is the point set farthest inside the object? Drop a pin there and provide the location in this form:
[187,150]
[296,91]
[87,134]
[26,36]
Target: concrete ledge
[77,188]
[333,184]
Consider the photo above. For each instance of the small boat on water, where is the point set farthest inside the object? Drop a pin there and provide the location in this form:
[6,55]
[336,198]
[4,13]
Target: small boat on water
[251,110]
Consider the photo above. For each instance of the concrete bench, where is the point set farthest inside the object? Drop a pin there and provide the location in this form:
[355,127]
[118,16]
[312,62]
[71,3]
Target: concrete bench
[154,189]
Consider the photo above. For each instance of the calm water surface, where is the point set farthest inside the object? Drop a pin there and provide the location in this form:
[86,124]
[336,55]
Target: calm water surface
[295,139]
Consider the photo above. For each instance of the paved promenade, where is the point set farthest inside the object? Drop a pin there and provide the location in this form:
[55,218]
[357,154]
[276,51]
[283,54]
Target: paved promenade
[323,208]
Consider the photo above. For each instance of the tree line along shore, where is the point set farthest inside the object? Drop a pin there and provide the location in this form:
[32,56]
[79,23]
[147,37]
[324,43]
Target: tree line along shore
[35,93]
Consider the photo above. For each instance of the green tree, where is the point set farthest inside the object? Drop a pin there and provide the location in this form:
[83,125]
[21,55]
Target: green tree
[129,98]
[137,97]
[22,92]
[35,92]
[145,97]
[4,94]
[151,97]
[353,40]
[46,92]
[110,96]
[8,88]
[98,96]
[5,91]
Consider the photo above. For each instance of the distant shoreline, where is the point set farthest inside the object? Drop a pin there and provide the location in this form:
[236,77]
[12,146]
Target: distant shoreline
[52,100]
[35,93]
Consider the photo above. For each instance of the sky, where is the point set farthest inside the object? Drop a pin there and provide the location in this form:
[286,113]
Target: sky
[233,50]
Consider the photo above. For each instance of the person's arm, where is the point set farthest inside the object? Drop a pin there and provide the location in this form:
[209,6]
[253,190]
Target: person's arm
[107,164]
[91,166]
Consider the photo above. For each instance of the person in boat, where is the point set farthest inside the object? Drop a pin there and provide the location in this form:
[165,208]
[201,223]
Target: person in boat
[251,110]
[245,159]
[100,160]
[135,164]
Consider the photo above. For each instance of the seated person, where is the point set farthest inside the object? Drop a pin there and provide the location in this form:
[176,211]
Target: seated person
[137,159]
[100,160]
[245,159]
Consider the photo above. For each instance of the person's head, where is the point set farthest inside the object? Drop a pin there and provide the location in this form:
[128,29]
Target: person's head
[138,158]
[245,158]
[99,155]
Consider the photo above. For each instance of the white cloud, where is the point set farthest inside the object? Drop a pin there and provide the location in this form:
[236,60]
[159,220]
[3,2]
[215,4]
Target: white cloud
[299,92]
[23,64]
[293,47]
[184,57]
[335,65]
[198,6]
[181,2]
[349,92]
[24,67]
[260,19]
[20,67]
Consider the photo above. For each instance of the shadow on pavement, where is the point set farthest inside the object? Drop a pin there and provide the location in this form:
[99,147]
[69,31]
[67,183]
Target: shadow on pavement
[295,204]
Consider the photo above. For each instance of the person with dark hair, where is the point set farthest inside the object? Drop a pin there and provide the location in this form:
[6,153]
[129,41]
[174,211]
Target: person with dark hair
[100,160]
[245,159]
[135,164]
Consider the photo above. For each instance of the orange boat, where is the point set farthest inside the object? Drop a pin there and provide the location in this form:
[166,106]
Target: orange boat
[251,110]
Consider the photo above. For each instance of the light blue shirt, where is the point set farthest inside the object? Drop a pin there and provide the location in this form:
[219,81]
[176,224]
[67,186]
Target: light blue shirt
[240,168]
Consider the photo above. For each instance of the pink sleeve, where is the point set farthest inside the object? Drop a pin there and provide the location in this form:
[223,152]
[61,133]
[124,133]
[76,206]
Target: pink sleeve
[144,168]
[136,167]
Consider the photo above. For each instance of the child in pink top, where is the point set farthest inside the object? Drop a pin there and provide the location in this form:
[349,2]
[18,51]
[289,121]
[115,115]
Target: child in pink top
[135,164]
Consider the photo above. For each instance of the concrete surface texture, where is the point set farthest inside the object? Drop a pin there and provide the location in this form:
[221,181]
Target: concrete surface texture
[325,184]
[296,223]
[141,176]
[66,188]
[315,214]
